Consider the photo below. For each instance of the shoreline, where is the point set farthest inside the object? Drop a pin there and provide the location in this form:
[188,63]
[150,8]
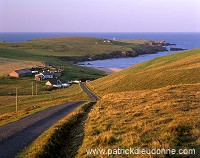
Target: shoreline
[109,70]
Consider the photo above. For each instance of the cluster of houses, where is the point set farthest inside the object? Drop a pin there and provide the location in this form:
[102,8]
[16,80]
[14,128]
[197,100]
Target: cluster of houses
[50,76]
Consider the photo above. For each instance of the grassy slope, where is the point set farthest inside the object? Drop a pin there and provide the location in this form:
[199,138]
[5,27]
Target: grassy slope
[58,134]
[174,69]
[151,105]
[73,48]
[39,51]
[28,104]
[42,49]
[68,46]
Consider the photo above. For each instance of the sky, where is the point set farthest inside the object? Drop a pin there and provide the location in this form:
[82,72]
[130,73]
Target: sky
[99,15]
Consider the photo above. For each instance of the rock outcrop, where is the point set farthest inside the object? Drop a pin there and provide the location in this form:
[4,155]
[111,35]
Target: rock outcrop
[177,49]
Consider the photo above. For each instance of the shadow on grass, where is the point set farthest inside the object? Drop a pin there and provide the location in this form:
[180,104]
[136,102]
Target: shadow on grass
[66,141]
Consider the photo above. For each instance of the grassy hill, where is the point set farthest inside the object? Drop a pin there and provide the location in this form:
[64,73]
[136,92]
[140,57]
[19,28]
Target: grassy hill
[154,104]
[61,52]
[179,68]
[64,50]
[70,47]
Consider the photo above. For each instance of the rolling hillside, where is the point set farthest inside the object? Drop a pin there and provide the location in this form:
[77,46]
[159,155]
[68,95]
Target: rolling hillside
[154,104]
[75,47]
[179,68]
[63,51]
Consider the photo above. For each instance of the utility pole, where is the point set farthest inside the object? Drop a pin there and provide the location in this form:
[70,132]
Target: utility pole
[32,88]
[36,89]
[16,99]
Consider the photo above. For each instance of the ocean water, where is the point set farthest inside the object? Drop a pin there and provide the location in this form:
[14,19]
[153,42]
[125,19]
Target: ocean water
[182,40]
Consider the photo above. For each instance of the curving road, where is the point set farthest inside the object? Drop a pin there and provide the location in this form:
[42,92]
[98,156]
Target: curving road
[16,136]
[90,94]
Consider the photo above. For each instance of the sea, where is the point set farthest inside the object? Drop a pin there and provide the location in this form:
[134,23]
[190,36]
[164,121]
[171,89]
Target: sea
[182,40]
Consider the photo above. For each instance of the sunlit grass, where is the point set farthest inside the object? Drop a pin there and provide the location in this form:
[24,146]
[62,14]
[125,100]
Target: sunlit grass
[162,118]
[154,104]
[28,104]
[179,68]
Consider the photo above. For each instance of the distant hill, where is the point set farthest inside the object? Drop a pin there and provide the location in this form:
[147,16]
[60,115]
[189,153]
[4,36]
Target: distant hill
[76,48]
[63,51]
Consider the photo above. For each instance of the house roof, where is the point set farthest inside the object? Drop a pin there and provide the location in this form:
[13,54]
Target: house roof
[23,71]
[55,82]
[47,73]
[57,74]
[64,81]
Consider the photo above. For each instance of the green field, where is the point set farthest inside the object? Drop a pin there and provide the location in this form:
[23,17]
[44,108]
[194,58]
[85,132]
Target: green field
[68,46]
[28,104]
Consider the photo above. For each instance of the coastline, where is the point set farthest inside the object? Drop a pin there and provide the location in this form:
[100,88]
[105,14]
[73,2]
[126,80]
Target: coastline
[109,70]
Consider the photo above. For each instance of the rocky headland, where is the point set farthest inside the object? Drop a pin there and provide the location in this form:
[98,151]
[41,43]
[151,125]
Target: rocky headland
[140,50]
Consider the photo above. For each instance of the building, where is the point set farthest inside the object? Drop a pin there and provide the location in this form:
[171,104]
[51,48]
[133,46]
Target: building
[76,81]
[57,74]
[21,73]
[43,76]
[47,75]
[54,83]
[65,83]
[57,83]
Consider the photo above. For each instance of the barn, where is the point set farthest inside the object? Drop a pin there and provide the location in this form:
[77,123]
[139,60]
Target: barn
[21,73]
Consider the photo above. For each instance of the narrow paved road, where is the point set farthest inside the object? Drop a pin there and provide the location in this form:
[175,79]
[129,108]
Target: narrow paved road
[15,136]
[90,94]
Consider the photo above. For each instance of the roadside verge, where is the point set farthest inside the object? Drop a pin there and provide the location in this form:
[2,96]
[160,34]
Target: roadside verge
[63,138]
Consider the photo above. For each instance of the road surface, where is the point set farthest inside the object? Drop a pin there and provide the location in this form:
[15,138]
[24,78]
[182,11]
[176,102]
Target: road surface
[15,136]
[90,94]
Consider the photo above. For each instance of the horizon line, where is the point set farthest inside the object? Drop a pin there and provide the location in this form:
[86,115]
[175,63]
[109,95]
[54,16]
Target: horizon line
[95,32]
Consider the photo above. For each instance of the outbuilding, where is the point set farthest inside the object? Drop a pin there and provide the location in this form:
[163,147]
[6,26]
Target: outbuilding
[21,73]
[57,83]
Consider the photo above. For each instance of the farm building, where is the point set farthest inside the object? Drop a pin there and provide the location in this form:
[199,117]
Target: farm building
[58,83]
[57,74]
[21,73]
[47,75]
[43,75]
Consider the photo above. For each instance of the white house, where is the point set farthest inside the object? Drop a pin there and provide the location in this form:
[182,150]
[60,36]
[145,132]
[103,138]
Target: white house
[47,75]
[44,75]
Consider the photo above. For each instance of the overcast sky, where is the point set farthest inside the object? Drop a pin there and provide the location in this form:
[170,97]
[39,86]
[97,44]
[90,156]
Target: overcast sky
[99,15]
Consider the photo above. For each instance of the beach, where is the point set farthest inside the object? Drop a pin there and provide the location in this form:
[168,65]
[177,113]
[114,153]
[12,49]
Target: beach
[109,70]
